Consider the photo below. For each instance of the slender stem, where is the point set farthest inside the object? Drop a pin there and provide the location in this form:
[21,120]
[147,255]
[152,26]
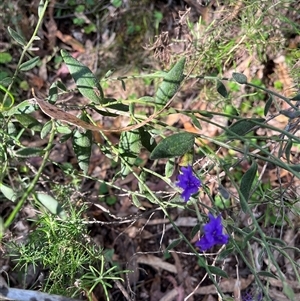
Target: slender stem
[26,48]
[31,186]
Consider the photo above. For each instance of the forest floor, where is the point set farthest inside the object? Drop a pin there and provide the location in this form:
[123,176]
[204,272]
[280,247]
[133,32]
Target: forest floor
[130,39]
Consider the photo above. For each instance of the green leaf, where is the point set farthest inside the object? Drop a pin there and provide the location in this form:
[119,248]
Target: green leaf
[242,127]
[226,253]
[136,202]
[46,129]
[26,66]
[296,98]
[170,168]
[223,192]
[288,150]
[9,102]
[116,3]
[53,93]
[174,244]
[146,99]
[129,148]
[28,152]
[29,122]
[239,78]
[8,192]
[85,80]
[170,83]
[173,146]
[187,158]
[195,230]
[246,184]
[205,114]
[61,86]
[268,104]
[275,240]
[146,139]
[25,107]
[64,129]
[82,145]
[290,114]
[52,205]
[196,121]
[5,57]
[267,274]
[113,106]
[248,237]
[16,36]
[222,89]
[40,8]
[288,291]
[111,200]
[6,80]
[2,230]
[295,167]
[217,271]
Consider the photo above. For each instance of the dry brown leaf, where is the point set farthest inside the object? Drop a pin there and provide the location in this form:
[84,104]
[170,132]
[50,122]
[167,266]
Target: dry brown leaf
[157,263]
[67,39]
[226,286]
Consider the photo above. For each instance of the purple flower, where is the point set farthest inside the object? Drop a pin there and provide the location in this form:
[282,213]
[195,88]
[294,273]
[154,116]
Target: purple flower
[251,296]
[213,234]
[188,182]
[248,296]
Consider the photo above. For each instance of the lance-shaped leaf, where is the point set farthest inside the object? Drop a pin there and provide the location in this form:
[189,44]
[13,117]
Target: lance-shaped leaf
[8,192]
[268,105]
[29,64]
[85,80]
[29,122]
[25,107]
[28,152]
[170,83]
[243,126]
[246,184]
[170,168]
[222,89]
[217,271]
[51,204]
[146,139]
[16,36]
[82,145]
[173,146]
[129,148]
